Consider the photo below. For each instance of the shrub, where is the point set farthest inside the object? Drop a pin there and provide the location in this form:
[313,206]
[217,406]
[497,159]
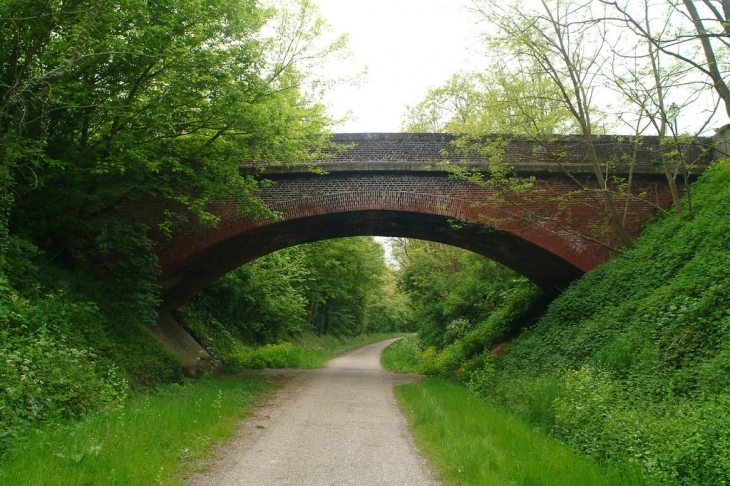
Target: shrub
[43,380]
[67,347]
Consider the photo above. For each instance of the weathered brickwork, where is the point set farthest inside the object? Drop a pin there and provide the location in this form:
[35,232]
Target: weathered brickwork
[410,151]
[374,194]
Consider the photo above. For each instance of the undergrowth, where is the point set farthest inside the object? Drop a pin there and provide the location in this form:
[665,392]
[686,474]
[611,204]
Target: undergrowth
[67,346]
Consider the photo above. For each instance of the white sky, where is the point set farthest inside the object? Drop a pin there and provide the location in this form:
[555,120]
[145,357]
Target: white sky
[407,46]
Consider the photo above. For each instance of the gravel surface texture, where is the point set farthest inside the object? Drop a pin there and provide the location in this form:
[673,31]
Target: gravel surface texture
[330,426]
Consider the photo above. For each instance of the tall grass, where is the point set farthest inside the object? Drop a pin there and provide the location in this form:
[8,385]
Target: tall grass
[403,356]
[284,355]
[151,440]
[470,441]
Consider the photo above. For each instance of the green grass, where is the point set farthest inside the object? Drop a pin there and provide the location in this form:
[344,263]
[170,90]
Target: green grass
[470,441]
[155,438]
[306,351]
[151,440]
[284,355]
[402,356]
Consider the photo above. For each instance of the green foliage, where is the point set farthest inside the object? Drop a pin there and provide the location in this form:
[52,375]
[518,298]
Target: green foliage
[464,305]
[150,439]
[467,352]
[471,441]
[105,103]
[676,441]
[258,303]
[507,98]
[45,379]
[335,287]
[452,291]
[631,363]
[403,356]
[346,279]
[632,360]
[67,346]
[284,355]
[305,351]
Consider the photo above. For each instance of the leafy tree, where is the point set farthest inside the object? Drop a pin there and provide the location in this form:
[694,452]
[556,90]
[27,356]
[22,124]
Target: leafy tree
[345,275]
[102,102]
[505,99]
[559,38]
[551,64]
[451,290]
[259,303]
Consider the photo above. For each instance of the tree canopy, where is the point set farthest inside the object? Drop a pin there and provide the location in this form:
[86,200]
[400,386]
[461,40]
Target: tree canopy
[105,101]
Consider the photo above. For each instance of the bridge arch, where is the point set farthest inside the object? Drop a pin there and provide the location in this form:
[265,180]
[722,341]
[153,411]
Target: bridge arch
[390,185]
[538,264]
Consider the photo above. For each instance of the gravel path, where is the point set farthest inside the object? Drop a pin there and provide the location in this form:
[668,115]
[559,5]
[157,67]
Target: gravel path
[330,426]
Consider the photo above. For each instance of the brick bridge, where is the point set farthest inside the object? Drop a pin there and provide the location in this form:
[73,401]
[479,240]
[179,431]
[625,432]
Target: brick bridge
[391,185]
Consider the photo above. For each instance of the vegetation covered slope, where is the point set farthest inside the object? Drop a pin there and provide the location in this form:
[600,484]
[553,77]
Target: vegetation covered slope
[634,359]
[67,345]
[632,362]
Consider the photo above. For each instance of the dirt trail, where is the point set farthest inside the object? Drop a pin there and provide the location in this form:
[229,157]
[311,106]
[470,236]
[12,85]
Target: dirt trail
[331,426]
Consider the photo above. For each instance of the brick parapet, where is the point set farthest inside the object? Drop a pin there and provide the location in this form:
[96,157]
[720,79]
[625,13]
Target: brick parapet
[425,151]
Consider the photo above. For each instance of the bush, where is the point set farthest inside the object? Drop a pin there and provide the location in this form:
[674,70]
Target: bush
[284,355]
[43,379]
[471,344]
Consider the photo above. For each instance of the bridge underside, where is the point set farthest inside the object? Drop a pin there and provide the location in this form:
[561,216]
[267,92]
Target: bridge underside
[546,269]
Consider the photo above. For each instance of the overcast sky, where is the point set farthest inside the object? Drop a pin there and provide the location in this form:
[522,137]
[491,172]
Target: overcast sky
[407,47]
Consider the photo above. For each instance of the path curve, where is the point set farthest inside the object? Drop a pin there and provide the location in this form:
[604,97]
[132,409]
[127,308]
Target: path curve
[330,426]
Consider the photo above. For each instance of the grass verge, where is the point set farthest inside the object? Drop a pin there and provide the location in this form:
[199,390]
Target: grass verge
[402,356]
[470,441]
[304,351]
[153,439]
